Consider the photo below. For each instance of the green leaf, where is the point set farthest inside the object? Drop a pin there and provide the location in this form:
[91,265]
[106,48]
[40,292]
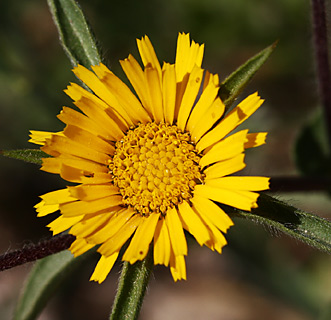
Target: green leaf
[233,85]
[311,148]
[306,227]
[46,276]
[28,155]
[75,35]
[131,288]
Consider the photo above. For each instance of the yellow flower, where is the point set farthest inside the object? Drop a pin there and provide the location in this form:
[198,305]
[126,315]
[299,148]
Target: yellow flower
[149,167]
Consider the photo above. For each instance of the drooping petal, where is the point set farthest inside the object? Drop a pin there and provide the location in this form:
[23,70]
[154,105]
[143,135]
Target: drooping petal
[141,240]
[162,247]
[80,246]
[117,221]
[178,267]
[192,223]
[176,233]
[213,212]
[103,267]
[117,241]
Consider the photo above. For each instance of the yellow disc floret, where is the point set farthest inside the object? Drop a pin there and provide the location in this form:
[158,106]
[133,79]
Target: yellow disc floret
[155,167]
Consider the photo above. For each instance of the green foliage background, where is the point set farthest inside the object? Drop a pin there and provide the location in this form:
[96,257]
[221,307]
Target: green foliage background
[34,71]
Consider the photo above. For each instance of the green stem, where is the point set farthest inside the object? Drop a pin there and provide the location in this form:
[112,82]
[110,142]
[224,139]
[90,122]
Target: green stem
[131,289]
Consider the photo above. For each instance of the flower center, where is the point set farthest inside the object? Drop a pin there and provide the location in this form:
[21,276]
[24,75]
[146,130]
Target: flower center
[155,167]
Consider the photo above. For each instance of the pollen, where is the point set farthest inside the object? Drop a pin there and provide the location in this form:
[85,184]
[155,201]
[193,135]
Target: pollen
[155,167]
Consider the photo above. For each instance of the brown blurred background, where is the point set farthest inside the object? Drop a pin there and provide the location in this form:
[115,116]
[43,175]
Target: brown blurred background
[260,274]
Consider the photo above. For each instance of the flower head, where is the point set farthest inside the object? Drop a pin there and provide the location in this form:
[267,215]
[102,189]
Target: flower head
[150,166]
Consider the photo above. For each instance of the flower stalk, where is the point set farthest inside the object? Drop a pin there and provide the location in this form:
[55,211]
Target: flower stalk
[131,288]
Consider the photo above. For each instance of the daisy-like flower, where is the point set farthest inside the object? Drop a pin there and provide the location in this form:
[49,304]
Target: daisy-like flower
[151,165]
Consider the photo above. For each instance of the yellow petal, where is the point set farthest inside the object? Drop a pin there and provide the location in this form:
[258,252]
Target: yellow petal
[178,267]
[85,207]
[255,139]
[63,223]
[176,233]
[103,267]
[162,248]
[117,221]
[238,115]
[73,174]
[244,200]
[89,225]
[58,196]
[123,94]
[54,165]
[117,241]
[211,211]
[44,209]
[141,240]
[187,55]
[217,240]
[96,85]
[225,149]
[70,116]
[80,246]
[169,92]
[63,145]
[204,103]
[39,137]
[240,183]
[90,192]
[136,76]
[87,139]
[225,167]
[189,97]
[148,55]
[206,121]
[110,128]
[192,223]
[153,82]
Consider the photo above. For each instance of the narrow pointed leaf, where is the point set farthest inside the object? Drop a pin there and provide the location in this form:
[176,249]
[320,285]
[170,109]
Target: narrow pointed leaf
[28,155]
[233,85]
[75,35]
[46,276]
[303,226]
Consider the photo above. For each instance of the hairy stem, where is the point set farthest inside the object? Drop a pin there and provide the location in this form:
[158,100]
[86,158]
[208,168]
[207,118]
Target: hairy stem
[35,251]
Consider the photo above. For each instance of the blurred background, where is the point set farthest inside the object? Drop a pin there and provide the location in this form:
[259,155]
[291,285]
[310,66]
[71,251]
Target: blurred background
[261,274]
